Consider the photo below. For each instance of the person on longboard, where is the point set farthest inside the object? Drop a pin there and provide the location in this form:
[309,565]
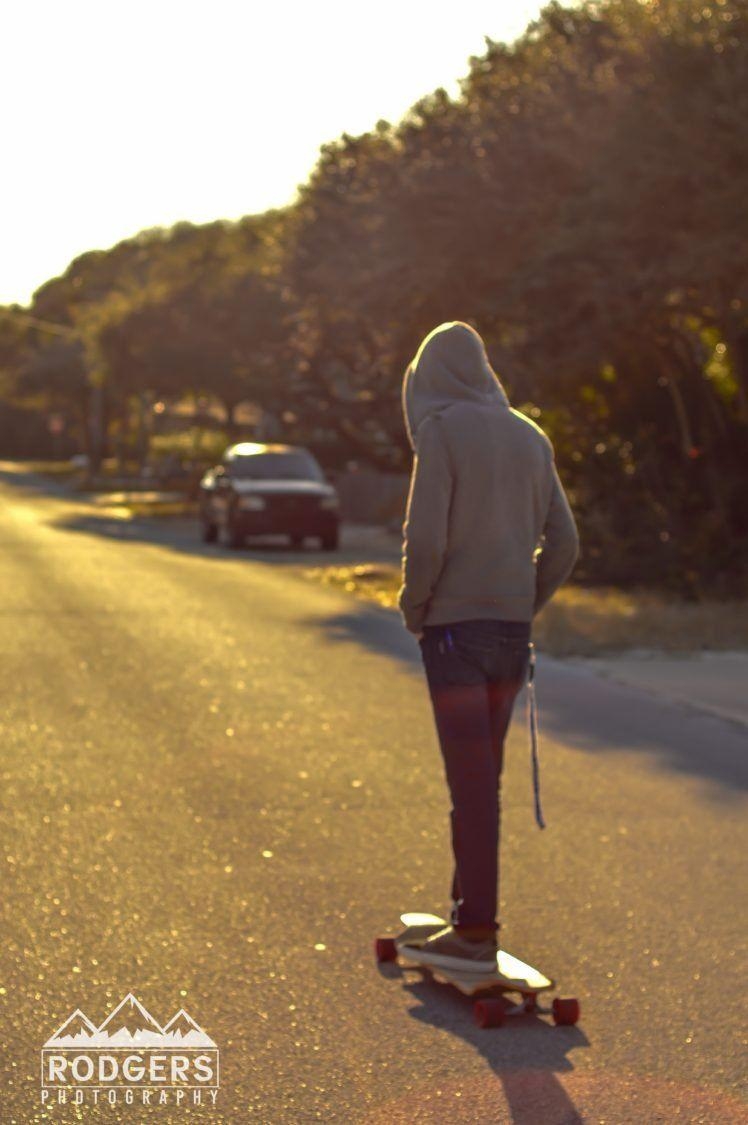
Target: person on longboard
[484,496]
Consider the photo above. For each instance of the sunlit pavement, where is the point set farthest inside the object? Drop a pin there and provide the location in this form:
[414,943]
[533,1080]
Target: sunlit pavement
[220,782]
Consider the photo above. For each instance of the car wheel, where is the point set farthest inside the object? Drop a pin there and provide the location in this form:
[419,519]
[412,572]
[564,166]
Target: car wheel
[329,542]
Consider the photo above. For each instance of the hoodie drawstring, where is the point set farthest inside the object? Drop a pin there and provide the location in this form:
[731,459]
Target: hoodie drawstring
[532,712]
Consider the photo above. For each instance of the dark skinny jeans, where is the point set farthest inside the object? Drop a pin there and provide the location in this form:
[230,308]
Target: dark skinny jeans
[474,670]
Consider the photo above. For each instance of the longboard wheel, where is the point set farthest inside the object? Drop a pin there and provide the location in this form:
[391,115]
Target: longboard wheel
[565,1012]
[385,949]
[488,1013]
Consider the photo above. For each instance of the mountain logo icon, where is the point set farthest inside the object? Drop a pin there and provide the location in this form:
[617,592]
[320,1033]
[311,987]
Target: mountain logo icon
[76,1029]
[130,1025]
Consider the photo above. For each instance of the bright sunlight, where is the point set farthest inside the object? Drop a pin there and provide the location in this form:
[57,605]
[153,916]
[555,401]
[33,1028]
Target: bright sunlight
[127,116]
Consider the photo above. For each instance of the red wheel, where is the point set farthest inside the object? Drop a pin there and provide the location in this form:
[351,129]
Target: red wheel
[385,949]
[565,1011]
[488,1013]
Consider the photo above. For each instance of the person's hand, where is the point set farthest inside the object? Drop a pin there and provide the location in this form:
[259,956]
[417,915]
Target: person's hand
[419,636]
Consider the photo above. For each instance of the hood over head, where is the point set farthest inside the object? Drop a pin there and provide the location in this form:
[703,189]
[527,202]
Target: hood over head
[450,366]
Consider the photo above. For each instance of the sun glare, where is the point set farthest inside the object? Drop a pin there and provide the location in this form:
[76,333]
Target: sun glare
[132,116]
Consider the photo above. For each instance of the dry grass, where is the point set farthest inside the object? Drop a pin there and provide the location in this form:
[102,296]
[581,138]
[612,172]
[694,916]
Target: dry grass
[132,505]
[588,622]
[59,470]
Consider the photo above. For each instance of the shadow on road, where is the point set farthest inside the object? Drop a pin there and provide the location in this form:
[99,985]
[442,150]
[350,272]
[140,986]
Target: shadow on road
[525,1056]
[584,710]
[80,513]
[182,535]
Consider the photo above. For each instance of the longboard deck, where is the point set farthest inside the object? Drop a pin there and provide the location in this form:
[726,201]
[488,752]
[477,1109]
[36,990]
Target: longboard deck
[511,974]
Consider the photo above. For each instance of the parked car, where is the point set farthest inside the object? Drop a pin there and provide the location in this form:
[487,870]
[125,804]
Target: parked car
[268,490]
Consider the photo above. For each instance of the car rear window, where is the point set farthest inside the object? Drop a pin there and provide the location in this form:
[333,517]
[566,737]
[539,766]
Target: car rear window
[276,466]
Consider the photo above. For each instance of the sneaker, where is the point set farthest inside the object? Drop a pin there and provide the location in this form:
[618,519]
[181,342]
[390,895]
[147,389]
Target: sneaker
[447,950]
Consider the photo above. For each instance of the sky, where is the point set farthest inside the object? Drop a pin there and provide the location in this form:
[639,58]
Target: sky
[122,114]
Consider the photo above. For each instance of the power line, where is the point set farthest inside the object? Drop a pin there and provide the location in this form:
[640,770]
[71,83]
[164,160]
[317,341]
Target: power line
[45,325]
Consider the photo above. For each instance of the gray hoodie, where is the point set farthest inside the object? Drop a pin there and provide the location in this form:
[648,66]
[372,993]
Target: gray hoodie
[484,493]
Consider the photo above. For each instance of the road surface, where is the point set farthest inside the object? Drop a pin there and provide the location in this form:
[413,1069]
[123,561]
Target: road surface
[220,782]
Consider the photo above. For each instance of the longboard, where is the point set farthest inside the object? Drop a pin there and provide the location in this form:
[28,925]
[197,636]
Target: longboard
[510,976]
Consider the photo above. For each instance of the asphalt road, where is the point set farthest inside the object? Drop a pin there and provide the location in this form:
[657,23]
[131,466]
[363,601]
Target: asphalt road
[220,782]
